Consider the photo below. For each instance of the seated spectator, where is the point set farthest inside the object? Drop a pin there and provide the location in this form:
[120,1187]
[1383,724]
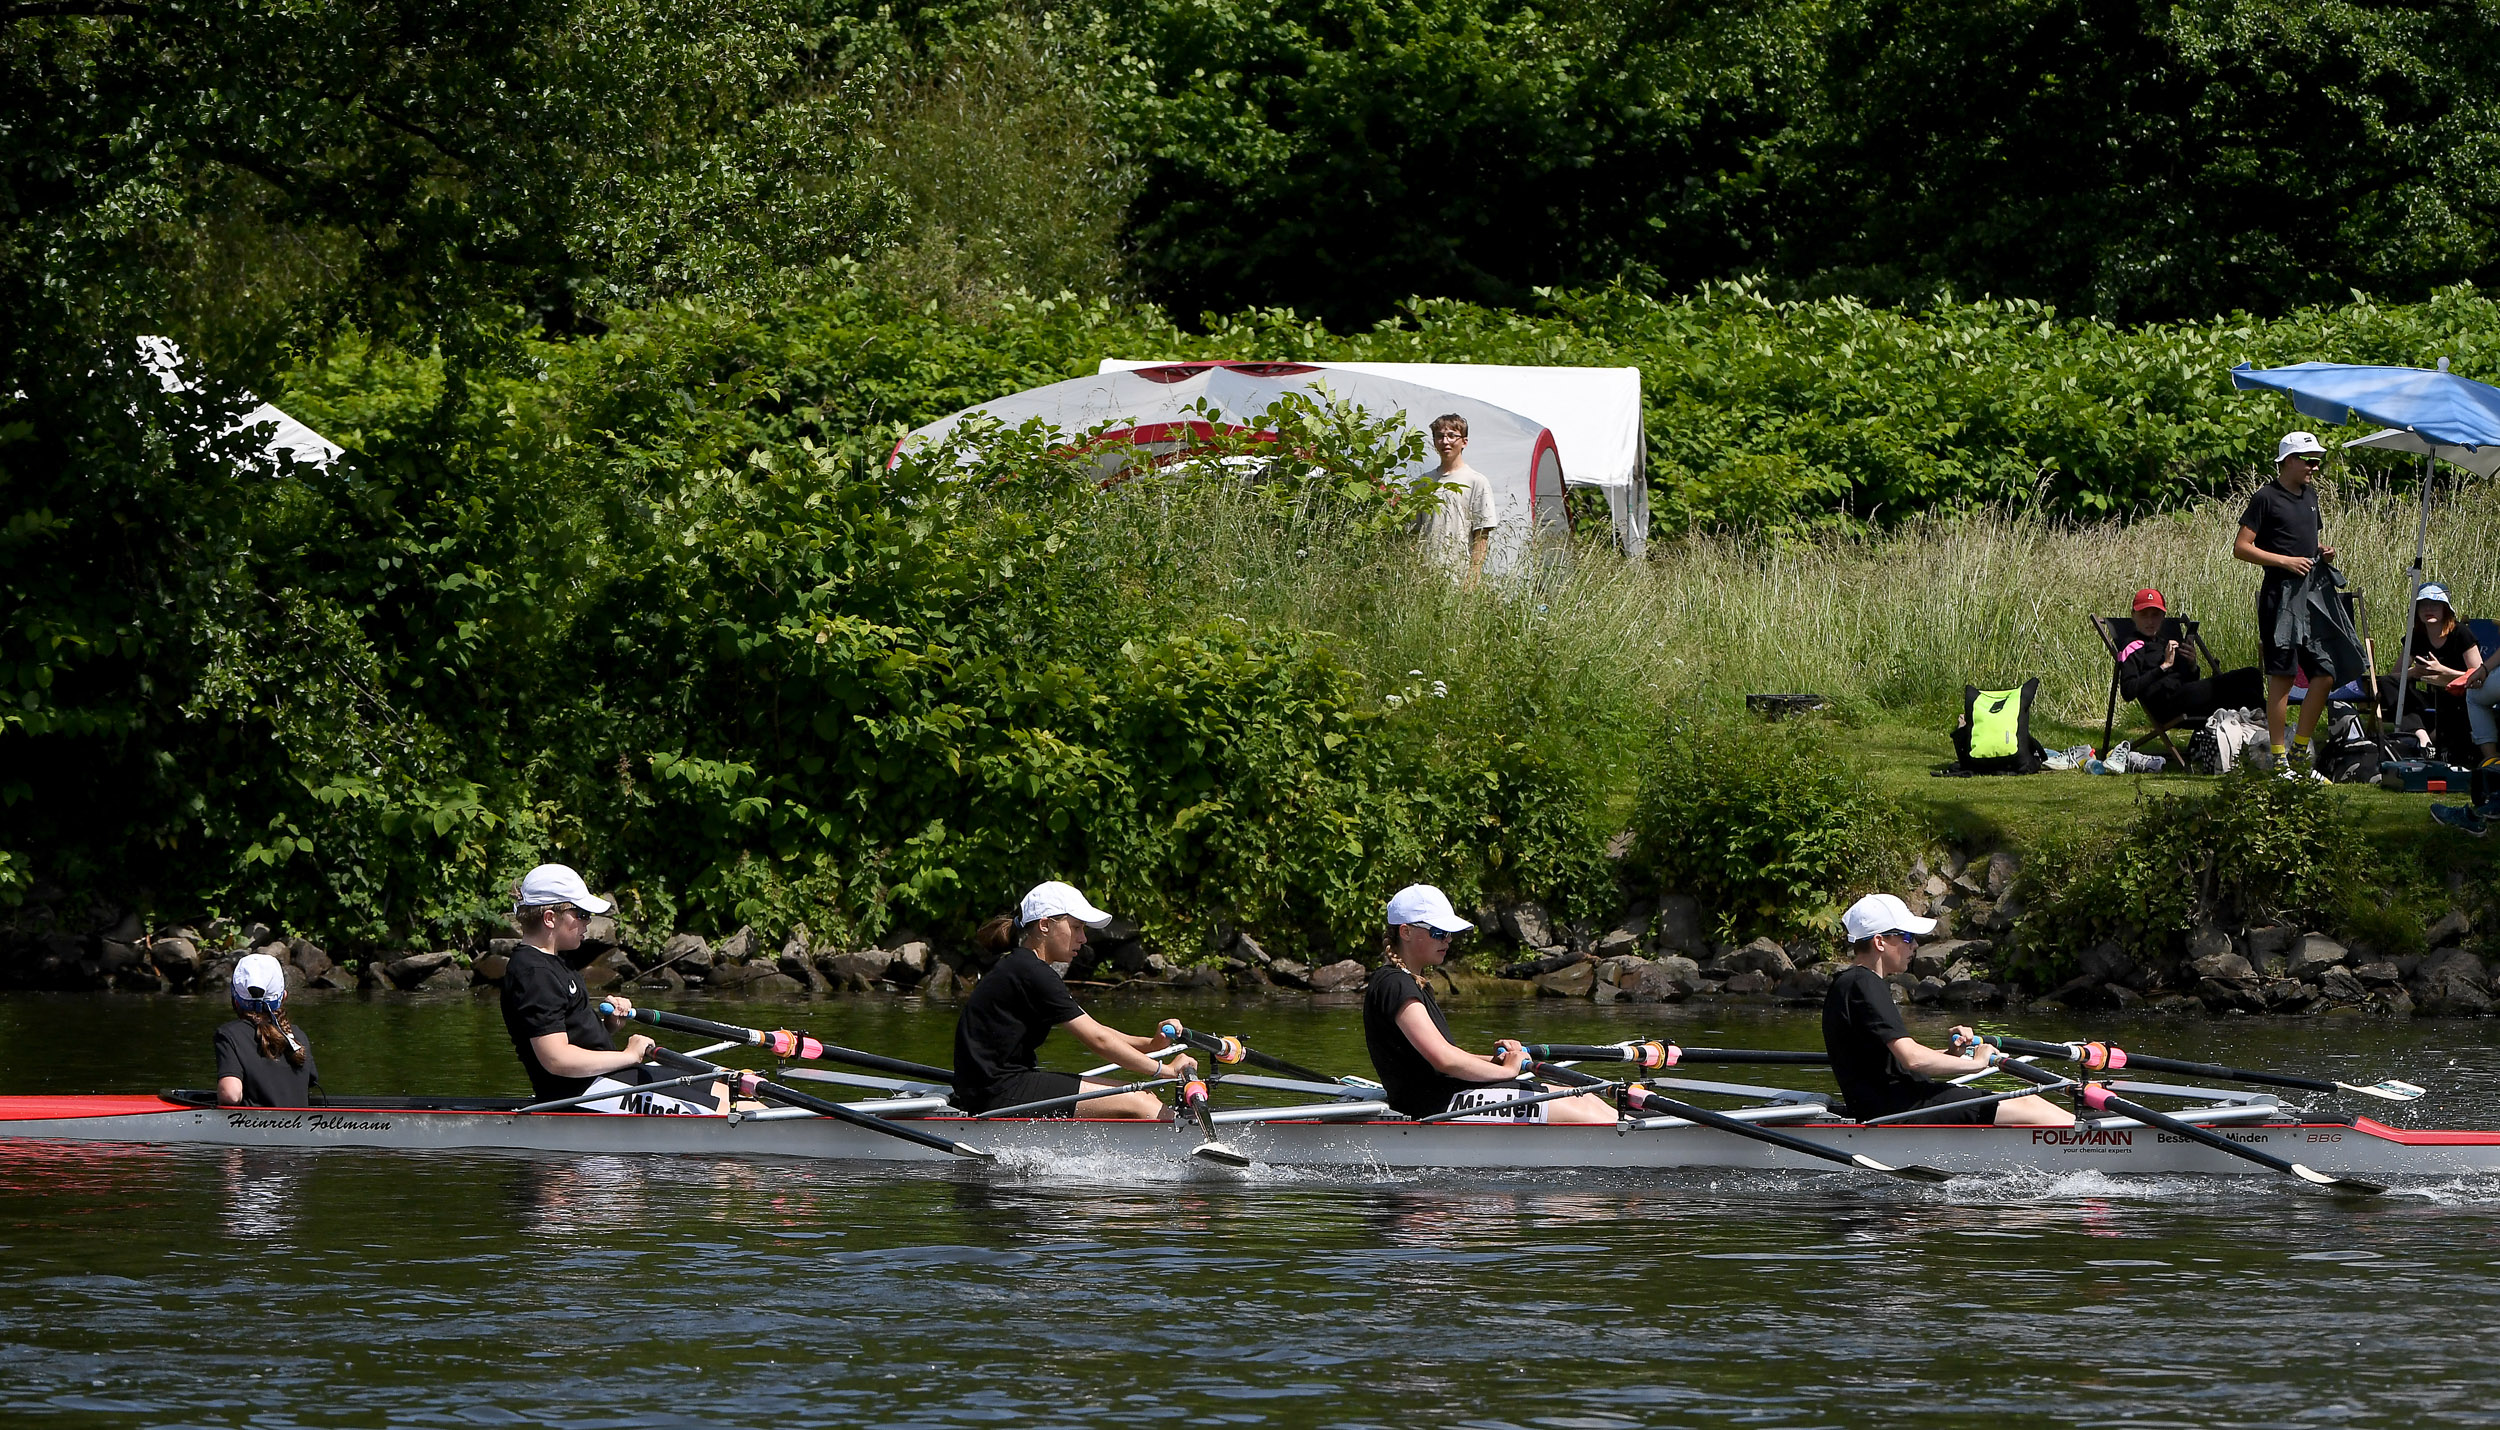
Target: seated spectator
[2445,660]
[2157,669]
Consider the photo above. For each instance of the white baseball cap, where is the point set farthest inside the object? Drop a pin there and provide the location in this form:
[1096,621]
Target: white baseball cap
[1426,905]
[259,982]
[1050,900]
[1882,913]
[2296,443]
[2433,592]
[556,884]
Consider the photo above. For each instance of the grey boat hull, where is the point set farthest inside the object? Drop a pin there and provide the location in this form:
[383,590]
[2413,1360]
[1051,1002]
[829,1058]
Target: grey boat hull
[2363,1149]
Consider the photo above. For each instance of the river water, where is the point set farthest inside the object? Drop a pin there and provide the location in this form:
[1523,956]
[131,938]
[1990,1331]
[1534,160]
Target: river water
[219,1287]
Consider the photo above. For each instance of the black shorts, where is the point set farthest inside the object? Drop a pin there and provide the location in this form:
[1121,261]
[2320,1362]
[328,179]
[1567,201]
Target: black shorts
[2278,659]
[1943,1101]
[1038,1085]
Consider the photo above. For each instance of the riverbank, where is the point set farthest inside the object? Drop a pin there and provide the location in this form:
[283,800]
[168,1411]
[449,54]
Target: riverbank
[1655,951]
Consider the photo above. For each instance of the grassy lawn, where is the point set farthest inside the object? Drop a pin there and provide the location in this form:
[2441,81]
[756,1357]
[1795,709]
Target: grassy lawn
[2018,811]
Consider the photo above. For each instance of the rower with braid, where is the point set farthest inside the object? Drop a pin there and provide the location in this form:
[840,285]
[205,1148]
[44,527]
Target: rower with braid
[262,1060]
[1421,1070]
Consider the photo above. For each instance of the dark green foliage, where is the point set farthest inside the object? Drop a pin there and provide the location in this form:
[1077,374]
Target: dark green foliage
[2126,160]
[2248,851]
[1764,822]
[2135,161]
[1337,155]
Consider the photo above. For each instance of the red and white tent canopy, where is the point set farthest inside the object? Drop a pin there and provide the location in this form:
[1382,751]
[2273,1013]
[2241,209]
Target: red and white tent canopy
[1158,406]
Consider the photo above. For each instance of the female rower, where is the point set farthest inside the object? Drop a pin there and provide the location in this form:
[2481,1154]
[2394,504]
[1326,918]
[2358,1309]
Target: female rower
[262,1061]
[563,1045]
[1016,1004]
[1881,1069]
[1420,1069]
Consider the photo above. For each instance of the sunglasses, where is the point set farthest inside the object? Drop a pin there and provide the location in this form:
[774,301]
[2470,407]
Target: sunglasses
[1433,933]
[1909,938]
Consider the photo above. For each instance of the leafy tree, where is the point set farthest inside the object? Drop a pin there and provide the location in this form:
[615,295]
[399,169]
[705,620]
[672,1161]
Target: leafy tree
[1339,155]
[2134,160]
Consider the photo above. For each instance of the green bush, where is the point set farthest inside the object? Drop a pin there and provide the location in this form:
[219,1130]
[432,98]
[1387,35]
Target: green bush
[1765,823]
[2249,850]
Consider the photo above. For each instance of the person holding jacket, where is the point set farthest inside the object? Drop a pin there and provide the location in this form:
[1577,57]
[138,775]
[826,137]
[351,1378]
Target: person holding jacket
[2280,531]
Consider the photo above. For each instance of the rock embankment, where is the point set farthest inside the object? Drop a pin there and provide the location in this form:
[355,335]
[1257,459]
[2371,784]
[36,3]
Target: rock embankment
[1656,951]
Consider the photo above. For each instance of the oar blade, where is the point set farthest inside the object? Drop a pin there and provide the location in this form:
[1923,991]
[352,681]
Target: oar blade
[1911,1173]
[2390,1089]
[1222,1154]
[2353,1185]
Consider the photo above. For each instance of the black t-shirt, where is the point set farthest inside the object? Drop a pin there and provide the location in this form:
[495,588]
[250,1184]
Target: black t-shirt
[2457,652]
[267,1082]
[1010,1011]
[1412,1085]
[2284,524]
[540,996]
[1860,1022]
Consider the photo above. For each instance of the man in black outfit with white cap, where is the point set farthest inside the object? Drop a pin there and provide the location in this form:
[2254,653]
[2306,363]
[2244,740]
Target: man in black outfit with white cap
[1881,1069]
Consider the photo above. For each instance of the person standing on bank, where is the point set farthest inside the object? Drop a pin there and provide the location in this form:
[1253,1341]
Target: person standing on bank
[262,1061]
[1421,1069]
[1015,1005]
[2280,532]
[1458,528]
[1881,1069]
[562,1044]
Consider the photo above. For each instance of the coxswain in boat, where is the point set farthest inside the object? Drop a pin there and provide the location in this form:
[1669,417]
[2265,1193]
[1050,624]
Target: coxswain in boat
[263,1060]
[1881,1069]
[1422,1071]
[1025,995]
[564,1045]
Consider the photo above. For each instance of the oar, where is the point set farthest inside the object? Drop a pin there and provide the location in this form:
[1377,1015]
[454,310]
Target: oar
[751,1085]
[785,1044]
[2100,1099]
[1230,1050]
[1193,1095]
[1659,1054]
[1642,1099]
[2109,1057]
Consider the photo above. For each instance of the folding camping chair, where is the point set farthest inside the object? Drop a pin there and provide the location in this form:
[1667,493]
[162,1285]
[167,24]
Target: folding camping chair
[2115,633]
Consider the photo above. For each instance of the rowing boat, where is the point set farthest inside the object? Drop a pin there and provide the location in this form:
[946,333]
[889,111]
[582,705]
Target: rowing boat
[1346,1131]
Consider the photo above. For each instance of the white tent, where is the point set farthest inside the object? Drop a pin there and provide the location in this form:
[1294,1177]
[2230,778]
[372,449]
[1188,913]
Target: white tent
[288,437]
[1593,412]
[1155,405]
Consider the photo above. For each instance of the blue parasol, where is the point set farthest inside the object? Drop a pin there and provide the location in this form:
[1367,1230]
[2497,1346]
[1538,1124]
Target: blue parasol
[2431,412]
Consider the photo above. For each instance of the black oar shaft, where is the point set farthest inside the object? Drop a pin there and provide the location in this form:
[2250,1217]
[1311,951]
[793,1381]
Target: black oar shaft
[757,1037]
[2147,1063]
[1224,1049]
[1636,1052]
[1644,1100]
[792,1097]
[2210,1138]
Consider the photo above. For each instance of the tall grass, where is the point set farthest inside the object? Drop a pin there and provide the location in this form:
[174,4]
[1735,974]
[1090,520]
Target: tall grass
[1586,656]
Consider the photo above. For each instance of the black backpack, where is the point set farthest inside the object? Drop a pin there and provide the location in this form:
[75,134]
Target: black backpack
[1999,723]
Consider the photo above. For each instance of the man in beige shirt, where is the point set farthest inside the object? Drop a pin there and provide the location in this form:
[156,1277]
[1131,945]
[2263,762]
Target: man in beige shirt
[1458,529]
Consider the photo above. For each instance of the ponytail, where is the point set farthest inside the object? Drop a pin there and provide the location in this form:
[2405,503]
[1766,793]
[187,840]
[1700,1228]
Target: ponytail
[278,1038]
[997,936]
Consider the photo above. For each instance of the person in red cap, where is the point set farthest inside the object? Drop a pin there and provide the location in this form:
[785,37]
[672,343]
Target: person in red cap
[2157,669]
